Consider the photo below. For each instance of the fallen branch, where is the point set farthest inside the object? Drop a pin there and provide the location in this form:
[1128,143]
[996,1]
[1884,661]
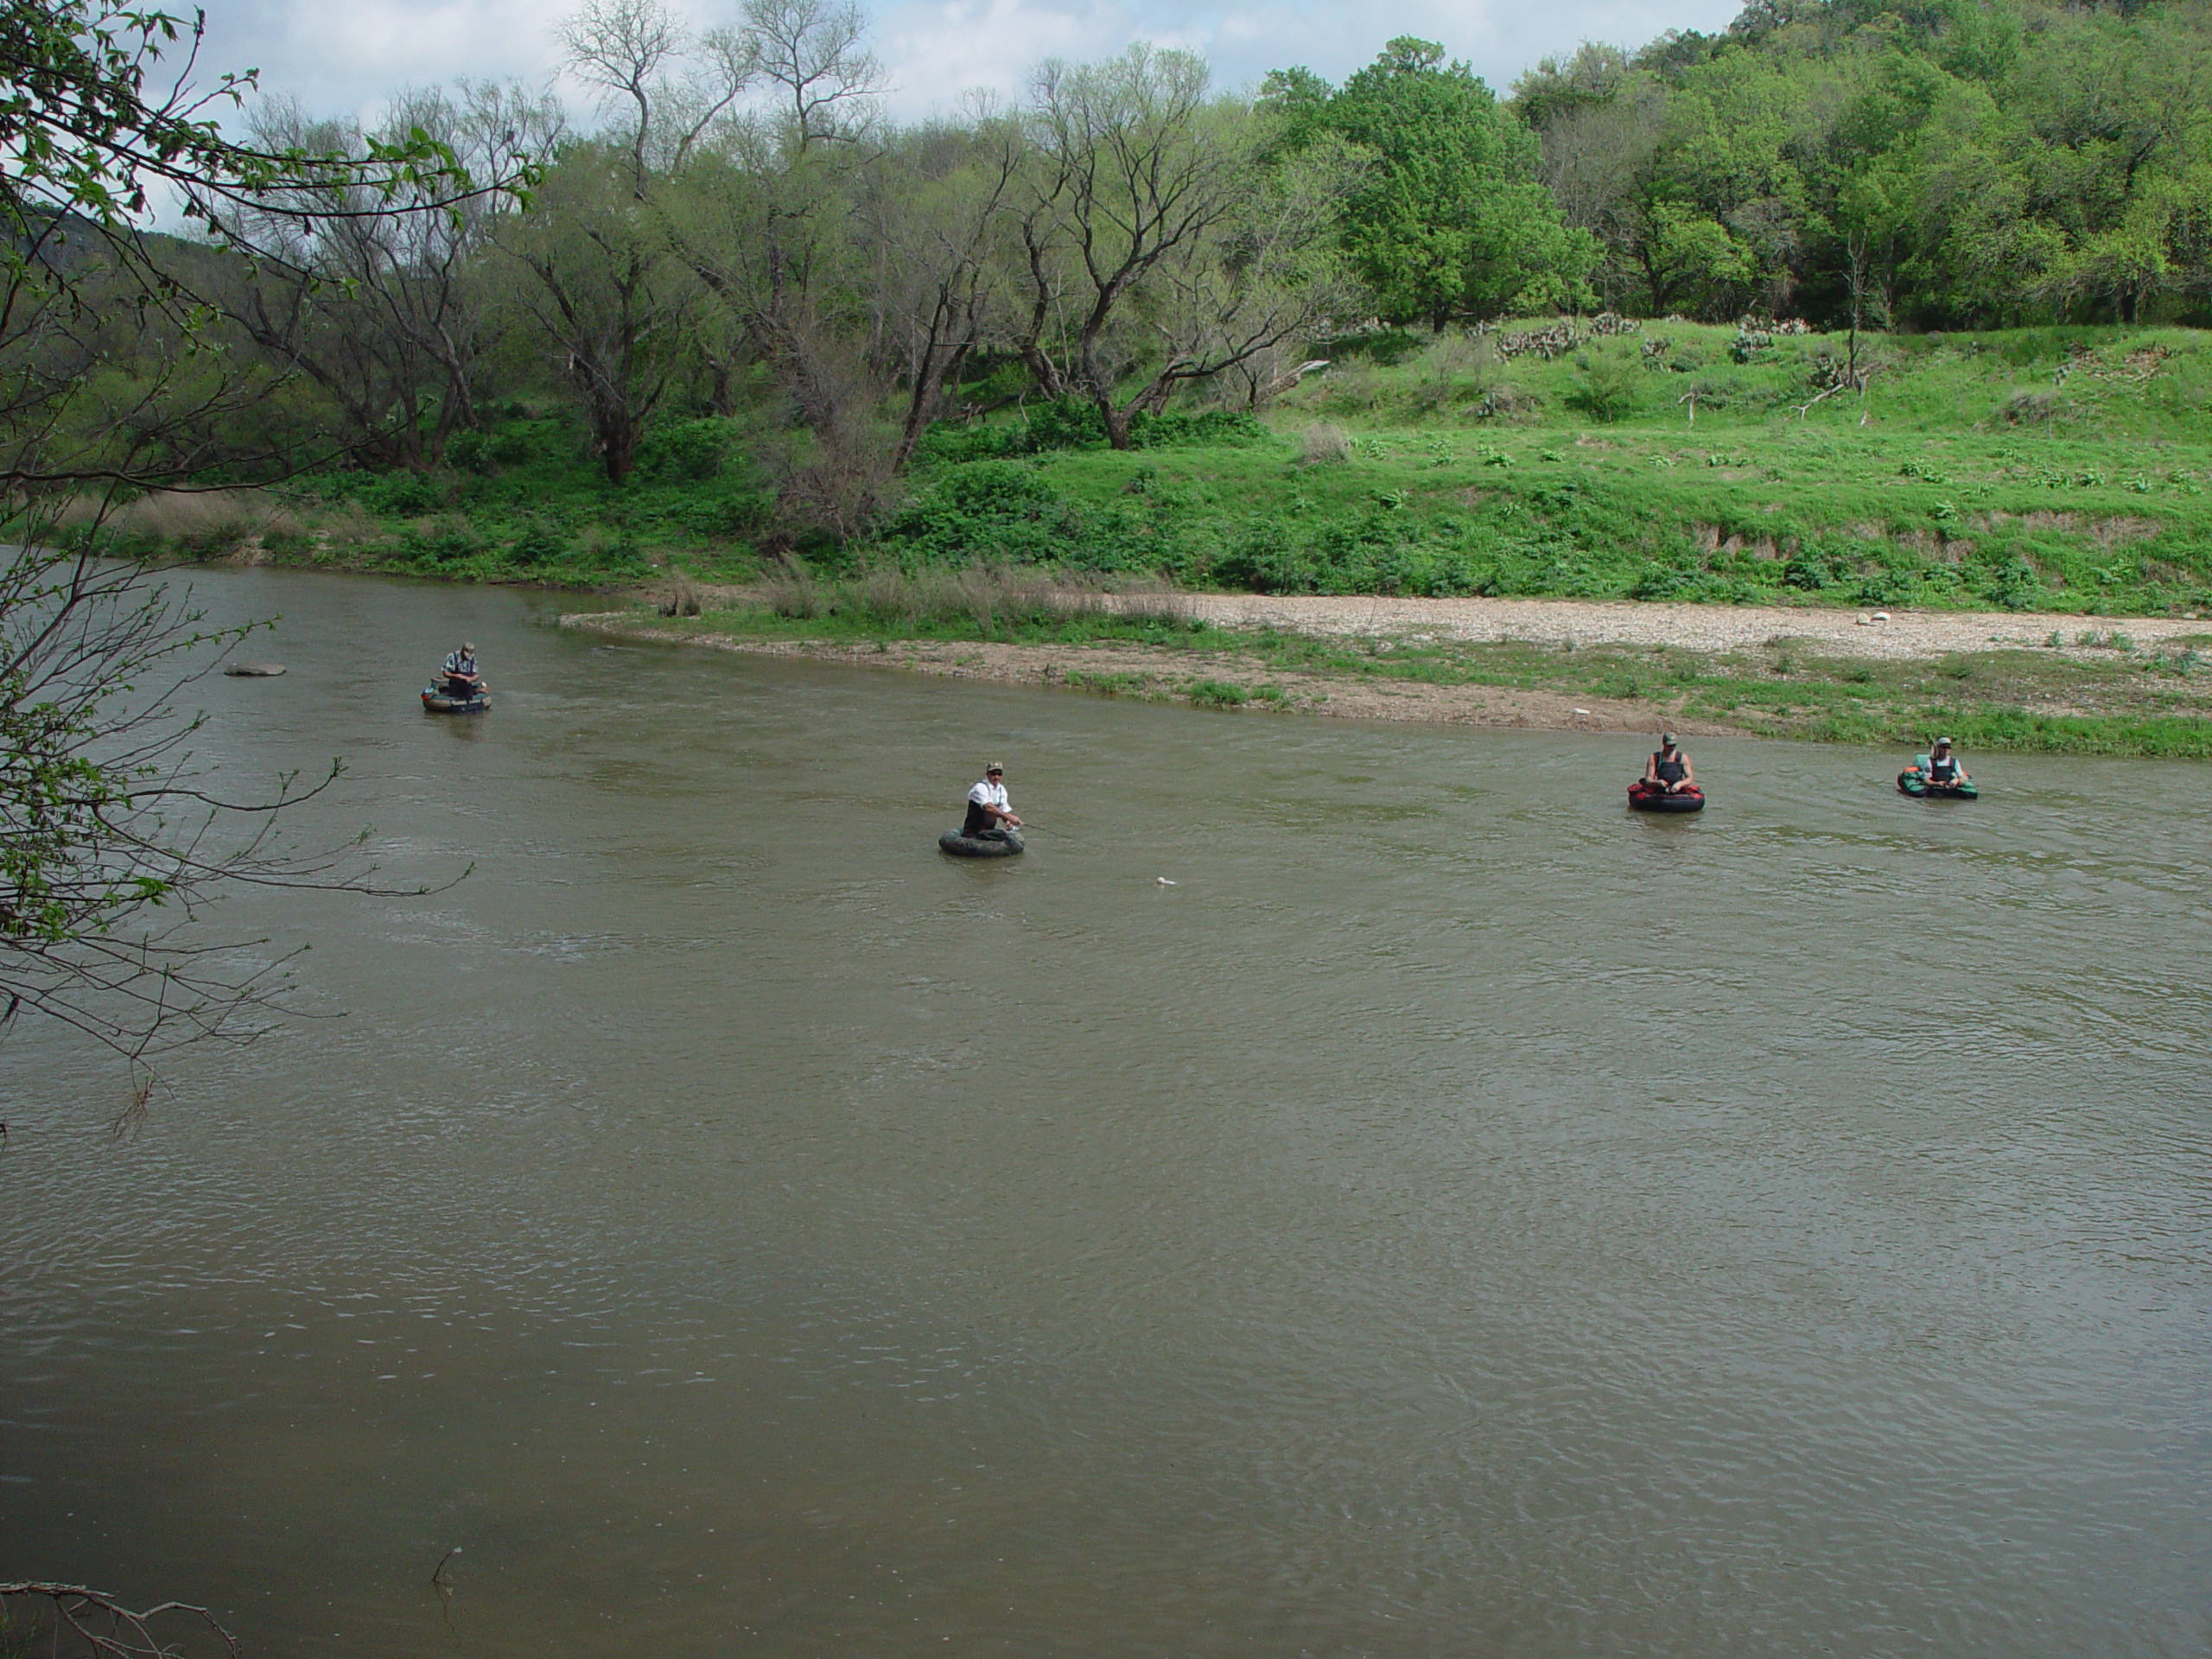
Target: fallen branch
[105,1625]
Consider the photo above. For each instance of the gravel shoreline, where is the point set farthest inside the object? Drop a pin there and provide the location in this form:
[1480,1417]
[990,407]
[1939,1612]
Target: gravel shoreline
[1132,669]
[1895,634]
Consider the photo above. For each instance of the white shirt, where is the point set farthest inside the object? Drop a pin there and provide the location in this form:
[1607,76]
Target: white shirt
[988,793]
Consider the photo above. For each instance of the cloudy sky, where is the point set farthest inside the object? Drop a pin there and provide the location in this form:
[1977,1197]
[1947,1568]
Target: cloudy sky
[342,56]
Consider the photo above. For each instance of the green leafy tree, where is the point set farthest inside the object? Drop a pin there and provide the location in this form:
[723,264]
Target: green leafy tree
[1451,220]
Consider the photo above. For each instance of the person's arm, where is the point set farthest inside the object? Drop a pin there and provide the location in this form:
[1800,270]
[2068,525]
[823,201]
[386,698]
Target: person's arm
[1689,772]
[1651,768]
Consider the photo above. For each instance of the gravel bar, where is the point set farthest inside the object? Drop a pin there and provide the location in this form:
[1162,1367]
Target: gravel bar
[1693,627]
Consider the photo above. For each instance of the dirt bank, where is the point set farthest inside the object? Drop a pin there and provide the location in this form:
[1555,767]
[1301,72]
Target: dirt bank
[1135,670]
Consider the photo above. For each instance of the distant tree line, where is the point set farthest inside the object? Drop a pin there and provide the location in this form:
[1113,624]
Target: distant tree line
[740,233]
[1911,163]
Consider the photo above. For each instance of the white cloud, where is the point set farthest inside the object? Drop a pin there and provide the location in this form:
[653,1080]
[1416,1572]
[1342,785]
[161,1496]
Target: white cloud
[347,58]
[937,49]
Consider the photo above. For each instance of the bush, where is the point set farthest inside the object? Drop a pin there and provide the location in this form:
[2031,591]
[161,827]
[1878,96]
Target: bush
[987,508]
[1607,384]
[2013,584]
[1074,423]
[687,452]
[537,546]
[444,541]
[2032,409]
[403,495]
[468,452]
[1324,443]
[728,513]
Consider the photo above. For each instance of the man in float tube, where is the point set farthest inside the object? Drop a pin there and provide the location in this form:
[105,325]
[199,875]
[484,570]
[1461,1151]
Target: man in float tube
[989,815]
[462,679]
[1944,771]
[1669,768]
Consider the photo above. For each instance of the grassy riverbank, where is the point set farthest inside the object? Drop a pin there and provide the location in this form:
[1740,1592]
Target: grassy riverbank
[2104,698]
[2059,469]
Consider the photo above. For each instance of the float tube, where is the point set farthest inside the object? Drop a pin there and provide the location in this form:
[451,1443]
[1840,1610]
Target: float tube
[1913,781]
[1006,844]
[436,702]
[1650,798]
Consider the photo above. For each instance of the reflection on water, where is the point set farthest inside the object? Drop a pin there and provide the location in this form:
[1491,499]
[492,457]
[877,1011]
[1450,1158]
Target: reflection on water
[1457,1216]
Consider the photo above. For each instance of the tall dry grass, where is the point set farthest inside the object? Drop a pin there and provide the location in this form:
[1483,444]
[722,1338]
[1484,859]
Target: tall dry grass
[193,518]
[1324,444]
[979,598]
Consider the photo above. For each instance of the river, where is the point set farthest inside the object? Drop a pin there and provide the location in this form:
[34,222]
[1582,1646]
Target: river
[1455,1218]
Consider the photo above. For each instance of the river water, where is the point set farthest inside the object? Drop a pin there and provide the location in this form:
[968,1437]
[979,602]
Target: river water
[1456,1217]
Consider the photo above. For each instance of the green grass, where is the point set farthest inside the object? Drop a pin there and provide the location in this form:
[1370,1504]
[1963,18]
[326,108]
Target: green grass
[2100,499]
[2127,702]
[525,502]
[2059,470]
[1936,501]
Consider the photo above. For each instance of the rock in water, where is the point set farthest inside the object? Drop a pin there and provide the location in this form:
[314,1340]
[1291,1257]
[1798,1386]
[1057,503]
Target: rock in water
[253,670]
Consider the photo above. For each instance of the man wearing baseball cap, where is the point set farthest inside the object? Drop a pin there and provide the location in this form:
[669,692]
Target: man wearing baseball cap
[1668,768]
[459,671]
[989,815]
[1944,771]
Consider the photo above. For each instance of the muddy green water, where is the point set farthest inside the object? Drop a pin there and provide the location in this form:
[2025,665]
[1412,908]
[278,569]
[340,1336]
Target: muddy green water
[1458,1217]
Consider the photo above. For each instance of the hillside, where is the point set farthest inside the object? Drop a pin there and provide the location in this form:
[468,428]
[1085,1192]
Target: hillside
[2059,469]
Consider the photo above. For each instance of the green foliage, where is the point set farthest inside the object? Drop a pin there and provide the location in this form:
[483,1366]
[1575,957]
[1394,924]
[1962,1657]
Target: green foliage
[687,452]
[1946,162]
[1608,382]
[1076,423]
[87,129]
[1451,220]
[2109,510]
[1000,511]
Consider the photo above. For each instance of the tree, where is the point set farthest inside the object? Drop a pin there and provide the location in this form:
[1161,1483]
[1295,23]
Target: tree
[93,132]
[1451,219]
[764,219]
[110,846]
[380,305]
[601,293]
[935,213]
[1158,245]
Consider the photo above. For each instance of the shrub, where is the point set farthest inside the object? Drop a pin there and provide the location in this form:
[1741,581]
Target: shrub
[403,495]
[685,451]
[1324,443]
[987,508]
[1607,384]
[537,546]
[467,451]
[1075,424]
[1217,694]
[444,541]
[2032,409]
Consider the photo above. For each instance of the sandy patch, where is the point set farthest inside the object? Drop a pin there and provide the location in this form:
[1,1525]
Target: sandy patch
[1636,622]
[1693,627]
[1133,671]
